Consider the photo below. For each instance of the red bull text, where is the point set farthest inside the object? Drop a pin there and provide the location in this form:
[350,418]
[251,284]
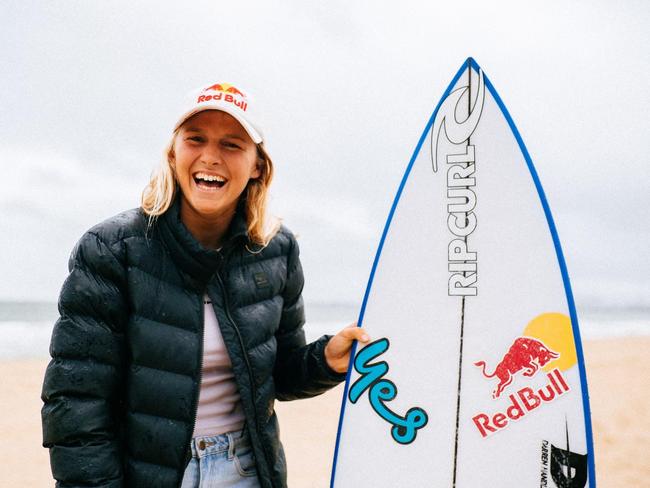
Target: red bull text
[228,98]
[227,93]
[522,403]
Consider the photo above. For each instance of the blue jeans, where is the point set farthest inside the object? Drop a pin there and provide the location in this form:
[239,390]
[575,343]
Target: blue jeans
[221,461]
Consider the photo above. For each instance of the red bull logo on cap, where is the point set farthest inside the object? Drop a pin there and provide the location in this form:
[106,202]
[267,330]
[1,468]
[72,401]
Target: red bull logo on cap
[225,92]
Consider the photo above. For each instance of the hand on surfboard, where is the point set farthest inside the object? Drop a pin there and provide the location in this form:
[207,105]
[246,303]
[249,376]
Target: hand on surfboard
[337,351]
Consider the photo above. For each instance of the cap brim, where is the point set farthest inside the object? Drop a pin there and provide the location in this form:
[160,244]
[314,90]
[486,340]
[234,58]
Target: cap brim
[254,134]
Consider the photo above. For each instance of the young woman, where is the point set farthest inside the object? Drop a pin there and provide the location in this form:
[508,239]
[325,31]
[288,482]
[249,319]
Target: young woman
[182,321]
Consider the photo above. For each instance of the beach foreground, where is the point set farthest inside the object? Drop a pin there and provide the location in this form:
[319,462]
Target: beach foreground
[619,387]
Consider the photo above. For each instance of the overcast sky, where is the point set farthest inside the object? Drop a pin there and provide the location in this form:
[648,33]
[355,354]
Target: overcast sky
[89,92]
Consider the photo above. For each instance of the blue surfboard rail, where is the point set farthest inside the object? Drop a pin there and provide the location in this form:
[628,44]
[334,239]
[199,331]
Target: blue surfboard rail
[470,63]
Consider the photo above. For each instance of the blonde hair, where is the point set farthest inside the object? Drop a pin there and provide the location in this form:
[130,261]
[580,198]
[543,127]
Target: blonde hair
[159,194]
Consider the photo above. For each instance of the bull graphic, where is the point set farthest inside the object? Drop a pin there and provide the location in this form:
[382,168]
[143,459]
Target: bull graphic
[224,87]
[525,353]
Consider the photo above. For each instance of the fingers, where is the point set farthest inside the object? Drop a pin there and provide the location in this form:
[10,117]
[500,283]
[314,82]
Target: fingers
[352,332]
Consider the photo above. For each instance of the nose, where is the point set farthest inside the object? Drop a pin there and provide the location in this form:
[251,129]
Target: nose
[211,155]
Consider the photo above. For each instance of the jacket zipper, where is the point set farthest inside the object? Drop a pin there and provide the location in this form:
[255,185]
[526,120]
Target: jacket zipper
[198,390]
[245,355]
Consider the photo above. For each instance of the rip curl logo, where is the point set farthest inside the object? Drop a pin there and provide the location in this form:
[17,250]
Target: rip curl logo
[461,181]
[225,92]
[381,390]
[456,132]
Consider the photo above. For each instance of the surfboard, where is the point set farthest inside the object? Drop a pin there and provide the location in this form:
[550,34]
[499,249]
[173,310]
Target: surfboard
[474,376]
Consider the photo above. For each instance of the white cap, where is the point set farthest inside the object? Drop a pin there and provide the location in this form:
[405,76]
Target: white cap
[227,98]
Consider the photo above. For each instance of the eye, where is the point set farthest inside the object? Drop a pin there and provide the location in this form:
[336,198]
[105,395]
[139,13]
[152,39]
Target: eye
[197,139]
[231,145]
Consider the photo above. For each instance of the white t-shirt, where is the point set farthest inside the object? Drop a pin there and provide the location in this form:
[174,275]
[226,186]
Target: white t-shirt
[220,409]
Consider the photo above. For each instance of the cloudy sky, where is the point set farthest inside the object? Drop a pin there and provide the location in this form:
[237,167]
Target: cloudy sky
[89,92]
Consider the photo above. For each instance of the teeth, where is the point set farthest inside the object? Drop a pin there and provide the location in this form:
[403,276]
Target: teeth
[207,177]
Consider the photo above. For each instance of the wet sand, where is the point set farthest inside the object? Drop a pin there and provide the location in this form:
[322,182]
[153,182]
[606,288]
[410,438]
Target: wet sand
[619,384]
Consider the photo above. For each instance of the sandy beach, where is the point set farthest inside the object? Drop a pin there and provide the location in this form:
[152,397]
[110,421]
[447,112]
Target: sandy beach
[619,383]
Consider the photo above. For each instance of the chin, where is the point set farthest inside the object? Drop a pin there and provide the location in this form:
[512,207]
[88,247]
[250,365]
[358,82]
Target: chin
[209,207]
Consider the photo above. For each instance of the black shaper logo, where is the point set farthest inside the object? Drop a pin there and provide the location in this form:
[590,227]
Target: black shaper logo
[568,469]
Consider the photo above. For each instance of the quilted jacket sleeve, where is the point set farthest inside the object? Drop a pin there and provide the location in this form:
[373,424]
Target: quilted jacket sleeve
[82,385]
[300,369]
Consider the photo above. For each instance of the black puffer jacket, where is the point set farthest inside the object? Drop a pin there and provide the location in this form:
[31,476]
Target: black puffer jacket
[121,392]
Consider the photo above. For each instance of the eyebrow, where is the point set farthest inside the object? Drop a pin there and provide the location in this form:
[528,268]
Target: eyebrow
[231,136]
[235,136]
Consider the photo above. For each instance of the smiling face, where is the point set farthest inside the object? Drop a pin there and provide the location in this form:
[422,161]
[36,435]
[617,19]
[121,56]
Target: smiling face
[214,157]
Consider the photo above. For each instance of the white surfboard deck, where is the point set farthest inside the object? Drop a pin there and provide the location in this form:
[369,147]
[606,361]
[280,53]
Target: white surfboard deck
[469,268]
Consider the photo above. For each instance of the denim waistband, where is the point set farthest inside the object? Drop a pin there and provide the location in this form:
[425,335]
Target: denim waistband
[230,441]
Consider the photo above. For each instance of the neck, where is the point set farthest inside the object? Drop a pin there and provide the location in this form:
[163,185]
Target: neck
[209,231]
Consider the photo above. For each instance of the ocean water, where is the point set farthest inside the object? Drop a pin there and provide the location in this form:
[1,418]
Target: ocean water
[26,327]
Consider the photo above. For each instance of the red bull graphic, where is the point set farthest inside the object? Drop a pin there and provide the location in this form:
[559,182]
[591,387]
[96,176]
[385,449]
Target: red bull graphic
[225,87]
[529,355]
[526,354]
[226,92]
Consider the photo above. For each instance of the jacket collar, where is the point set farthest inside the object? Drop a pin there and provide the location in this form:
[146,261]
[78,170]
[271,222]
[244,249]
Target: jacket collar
[196,261]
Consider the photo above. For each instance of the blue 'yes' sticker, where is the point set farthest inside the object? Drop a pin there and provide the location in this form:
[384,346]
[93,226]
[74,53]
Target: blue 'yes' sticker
[381,390]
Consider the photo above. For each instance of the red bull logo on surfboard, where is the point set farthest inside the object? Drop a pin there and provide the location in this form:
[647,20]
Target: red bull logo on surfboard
[546,344]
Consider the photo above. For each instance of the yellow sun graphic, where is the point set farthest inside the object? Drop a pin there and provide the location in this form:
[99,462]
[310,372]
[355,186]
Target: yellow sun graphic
[555,331]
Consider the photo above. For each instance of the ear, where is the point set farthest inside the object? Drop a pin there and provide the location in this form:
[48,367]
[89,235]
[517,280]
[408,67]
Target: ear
[171,155]
[257,170]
